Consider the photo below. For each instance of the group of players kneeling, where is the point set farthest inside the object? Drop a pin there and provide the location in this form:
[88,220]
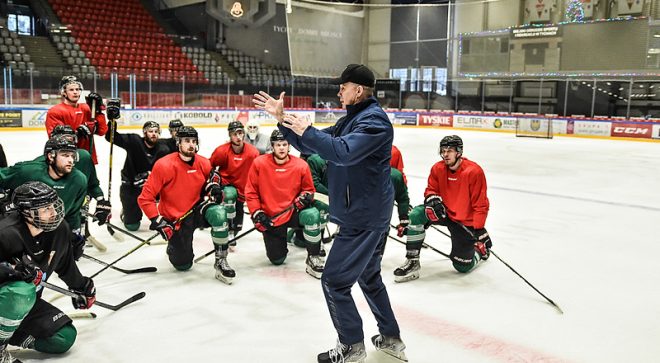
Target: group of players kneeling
[181,191]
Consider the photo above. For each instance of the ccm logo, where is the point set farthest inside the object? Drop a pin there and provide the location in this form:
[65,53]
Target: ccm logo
[630,130]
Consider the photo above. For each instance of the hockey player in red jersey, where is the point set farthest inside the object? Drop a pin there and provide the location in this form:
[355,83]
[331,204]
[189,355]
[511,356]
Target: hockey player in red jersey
[455,197]
[233,160]
[397,162]
[182,180]
[78,115]
[275,182]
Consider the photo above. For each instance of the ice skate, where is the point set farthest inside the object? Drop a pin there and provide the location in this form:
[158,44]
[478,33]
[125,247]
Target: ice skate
[315,265]
[343,353]
[223,271]
[390,345]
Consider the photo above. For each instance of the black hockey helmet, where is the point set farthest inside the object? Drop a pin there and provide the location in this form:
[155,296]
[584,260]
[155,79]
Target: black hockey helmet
[28,198]
[64,130]
[175,124]
[186,131]
[67,80]
[452,141]
[57,143]
[235,126]
[277,135]
[150,125]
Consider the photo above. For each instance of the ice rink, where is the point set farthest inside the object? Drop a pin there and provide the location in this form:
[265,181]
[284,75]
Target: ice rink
[578,218]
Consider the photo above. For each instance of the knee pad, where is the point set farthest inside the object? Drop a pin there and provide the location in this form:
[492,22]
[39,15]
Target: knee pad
[310,219]
[58,343]
[464,266]
[216,216]
[132,226]
[16,301]
[416,232]
[229,200]
[278,261]
[184,267]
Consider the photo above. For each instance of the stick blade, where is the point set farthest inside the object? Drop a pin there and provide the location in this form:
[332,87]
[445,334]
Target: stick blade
[130,300]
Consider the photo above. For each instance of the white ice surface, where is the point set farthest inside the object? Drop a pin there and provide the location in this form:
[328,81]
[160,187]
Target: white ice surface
[578,218]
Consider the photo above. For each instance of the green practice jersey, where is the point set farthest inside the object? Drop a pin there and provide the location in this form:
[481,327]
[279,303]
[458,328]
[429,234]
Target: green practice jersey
[71,188]
[86,166]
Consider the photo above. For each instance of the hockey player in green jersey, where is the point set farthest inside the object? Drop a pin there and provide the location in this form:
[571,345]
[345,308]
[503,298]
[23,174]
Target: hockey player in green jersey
[57,172]
[34,244]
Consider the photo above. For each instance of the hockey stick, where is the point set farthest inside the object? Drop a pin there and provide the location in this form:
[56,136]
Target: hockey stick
[63,291]
[242,234]
[112,144]
[126,232]
[515,272]
[88,236]
[230,241]
[133,271]
[143,242]
[424,244]
[81,314]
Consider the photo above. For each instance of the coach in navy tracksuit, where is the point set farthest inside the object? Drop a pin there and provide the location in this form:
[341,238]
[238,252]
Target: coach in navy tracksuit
[358,150]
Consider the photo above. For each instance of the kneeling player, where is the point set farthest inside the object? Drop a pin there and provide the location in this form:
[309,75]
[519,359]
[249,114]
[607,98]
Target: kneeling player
[275,182]
[455,197]
[179,179]
[34,243]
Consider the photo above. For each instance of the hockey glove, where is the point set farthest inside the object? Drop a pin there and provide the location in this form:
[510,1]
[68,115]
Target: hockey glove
[482,236]
[94,99]
[434,209]
[165,228]
[304,200]
[140,179]
[214,191]
[261,221]
[83,132]
[113,110]
[215,177]
[103,211]
[86,295]
[402,228]
[31,272]
[77,243]
[5,201]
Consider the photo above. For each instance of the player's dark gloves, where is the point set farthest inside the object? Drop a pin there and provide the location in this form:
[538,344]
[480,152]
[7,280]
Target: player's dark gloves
[103,211]
[304,200]
[165,228]
[86,295]
[78,243]
[31,272]
[434,209]
[402,228]
[482,236]
[94,99]
[83,132]
[261,221]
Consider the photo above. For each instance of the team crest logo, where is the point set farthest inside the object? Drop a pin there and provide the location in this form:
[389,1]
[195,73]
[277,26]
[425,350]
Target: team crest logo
[535,125]
[497,123]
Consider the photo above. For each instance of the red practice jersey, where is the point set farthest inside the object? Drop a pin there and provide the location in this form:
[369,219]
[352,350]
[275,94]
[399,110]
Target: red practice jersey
[397,162]
[178,183]
[463,192]
[234,168]
[63,114]
[273,187]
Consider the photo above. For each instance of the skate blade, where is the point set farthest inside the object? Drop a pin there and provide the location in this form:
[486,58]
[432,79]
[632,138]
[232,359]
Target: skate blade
[313,273]
[398,355]
[220,277]
[413,276]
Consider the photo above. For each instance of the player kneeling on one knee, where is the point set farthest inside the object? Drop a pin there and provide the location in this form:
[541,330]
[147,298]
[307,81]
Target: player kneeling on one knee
[455,197]
[179,179]
[28,256]
[274,181]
